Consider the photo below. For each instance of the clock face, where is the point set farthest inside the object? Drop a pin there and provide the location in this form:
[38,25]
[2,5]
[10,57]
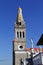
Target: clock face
[20,47]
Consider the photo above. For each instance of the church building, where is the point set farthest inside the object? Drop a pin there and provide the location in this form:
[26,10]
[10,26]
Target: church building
[20,39]
[20,52]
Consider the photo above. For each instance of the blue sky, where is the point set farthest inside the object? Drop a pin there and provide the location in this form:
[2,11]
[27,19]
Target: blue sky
[33,16]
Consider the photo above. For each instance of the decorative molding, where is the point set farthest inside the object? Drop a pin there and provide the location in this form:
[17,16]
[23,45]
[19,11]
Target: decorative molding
[22,52]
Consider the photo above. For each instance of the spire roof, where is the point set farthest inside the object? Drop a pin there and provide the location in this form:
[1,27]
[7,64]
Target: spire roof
[20,19]
[40,42]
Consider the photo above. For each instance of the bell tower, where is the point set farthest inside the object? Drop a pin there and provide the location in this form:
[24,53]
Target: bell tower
[20,32]
[19,43]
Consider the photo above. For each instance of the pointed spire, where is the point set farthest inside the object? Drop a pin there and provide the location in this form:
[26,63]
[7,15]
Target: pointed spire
[20,20]
[20,17]
[32,50]
[32,42]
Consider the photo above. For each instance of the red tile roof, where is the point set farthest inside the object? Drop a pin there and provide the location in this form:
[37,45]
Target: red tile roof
[35,49]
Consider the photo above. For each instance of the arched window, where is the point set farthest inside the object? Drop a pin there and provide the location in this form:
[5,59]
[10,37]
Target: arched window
[23,35]
[19,23]
[17,34]
[20,34]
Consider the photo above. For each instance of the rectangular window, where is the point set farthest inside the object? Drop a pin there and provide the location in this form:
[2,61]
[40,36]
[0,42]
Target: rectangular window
[17,34]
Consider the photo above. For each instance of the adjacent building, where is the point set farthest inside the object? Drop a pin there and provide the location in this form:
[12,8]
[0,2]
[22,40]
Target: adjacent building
[20,52]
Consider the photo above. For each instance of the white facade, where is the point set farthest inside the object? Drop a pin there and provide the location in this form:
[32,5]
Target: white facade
[38,59]
[42,57]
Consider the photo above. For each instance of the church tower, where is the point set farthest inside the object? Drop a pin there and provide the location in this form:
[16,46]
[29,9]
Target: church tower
[20,32]
[19,43]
